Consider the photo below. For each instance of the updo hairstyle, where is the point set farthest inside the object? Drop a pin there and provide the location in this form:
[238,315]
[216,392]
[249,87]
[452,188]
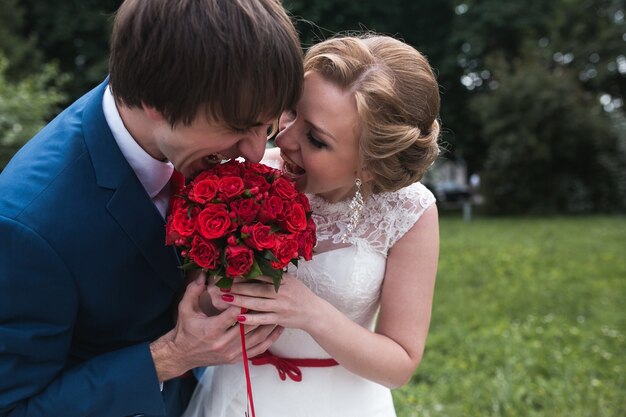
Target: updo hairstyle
[397,99]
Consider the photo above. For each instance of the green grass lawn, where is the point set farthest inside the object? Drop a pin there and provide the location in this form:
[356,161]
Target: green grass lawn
[529,319]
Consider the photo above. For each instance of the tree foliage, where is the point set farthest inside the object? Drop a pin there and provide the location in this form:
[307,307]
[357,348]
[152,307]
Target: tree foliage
[74,33]
[551,149]
[20,51]
[536,72]
[25,106]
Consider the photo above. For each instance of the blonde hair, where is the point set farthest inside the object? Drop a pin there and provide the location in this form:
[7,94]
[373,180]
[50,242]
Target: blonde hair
[397,98]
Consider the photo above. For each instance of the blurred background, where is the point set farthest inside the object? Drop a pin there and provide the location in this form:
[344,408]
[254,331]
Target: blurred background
[528,317]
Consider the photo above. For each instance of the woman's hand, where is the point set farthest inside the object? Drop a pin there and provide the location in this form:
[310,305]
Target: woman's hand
[294,305]
[212,298]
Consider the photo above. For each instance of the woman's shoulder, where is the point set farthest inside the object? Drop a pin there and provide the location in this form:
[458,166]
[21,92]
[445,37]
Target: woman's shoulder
[390,215]
[412,198]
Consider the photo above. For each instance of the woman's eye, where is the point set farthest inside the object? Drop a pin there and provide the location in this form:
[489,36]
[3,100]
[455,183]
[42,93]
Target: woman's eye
[318,144]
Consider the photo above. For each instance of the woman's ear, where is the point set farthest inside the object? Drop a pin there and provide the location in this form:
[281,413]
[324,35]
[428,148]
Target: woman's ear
[365,174]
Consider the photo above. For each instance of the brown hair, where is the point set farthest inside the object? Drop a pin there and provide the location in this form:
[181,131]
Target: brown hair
[239,58]
[397,99]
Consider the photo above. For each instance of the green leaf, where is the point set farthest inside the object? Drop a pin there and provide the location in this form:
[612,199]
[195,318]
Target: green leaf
[224,283]
[275,274]
[189,266]
[277,278]
[255,270]
[269,256]
[274,228]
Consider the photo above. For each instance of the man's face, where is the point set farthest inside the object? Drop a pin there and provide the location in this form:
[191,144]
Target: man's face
[202,144]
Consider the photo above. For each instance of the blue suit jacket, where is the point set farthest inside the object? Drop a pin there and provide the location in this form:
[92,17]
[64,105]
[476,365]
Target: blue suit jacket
[86,281]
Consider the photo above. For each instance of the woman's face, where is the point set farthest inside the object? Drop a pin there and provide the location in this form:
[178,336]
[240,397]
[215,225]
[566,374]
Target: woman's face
[318,140]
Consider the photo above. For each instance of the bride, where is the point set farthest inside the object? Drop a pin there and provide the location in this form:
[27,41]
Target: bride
[356,317]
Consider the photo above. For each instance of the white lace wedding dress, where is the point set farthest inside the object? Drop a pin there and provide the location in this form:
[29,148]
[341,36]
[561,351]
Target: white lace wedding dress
[348,275]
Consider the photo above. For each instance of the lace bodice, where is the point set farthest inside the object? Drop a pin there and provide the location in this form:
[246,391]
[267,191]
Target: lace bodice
[385,218]
[350,275]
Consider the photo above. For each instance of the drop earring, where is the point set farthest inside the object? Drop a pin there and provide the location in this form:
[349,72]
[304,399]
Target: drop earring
[356,207]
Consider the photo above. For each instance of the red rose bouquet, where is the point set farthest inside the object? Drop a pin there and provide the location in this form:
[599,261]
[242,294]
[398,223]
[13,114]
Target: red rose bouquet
[241,219]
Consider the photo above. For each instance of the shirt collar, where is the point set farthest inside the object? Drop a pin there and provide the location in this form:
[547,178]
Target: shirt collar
[152,173]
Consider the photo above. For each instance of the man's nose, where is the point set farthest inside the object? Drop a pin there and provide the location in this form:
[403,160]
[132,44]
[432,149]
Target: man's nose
[252,148]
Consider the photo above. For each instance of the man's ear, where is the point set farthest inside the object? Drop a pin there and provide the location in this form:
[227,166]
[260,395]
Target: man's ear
[152,113]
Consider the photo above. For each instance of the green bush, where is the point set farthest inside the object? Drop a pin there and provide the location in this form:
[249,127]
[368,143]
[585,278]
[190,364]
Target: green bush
[551,147]
[26,105]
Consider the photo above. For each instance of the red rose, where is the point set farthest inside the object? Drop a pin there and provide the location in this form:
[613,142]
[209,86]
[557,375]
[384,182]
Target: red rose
[305,246]
[284,188]
[171,234]
[245,210]
[231,168]
[271,207]
[181,223]
[205,175]
[203,191]
[307,241]
[293,217]
[304,201]
[253,180]
[239,260]
[176,203]
[204,253]
[260,169]
[230,187]
[286,249]
[214,221]
[259,237]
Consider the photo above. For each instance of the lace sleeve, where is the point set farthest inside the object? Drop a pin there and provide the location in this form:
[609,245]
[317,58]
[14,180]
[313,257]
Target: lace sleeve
[388,216]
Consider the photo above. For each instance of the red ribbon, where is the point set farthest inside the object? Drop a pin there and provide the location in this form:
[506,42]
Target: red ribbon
[289,367]
[286,367]
[242,333]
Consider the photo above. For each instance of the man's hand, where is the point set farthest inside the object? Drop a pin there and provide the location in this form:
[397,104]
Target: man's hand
[202,340]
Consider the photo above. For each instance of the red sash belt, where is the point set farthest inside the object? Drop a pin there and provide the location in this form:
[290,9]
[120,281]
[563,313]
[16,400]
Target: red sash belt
[289,367]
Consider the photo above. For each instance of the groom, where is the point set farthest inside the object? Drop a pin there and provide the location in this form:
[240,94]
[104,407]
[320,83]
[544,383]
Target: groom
[88,290]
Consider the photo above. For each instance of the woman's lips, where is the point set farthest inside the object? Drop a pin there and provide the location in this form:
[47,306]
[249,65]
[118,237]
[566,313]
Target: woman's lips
[291,169]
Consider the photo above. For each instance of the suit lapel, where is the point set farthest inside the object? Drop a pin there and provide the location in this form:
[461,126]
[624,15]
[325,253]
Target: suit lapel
[144,226]
[129,205]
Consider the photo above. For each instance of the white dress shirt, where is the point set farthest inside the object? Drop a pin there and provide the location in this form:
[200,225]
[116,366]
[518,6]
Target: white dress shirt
[153,174]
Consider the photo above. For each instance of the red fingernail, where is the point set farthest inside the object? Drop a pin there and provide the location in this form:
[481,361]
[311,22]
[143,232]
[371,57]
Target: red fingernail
[241,319]
[225,289]
[244,310]
[227,297]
